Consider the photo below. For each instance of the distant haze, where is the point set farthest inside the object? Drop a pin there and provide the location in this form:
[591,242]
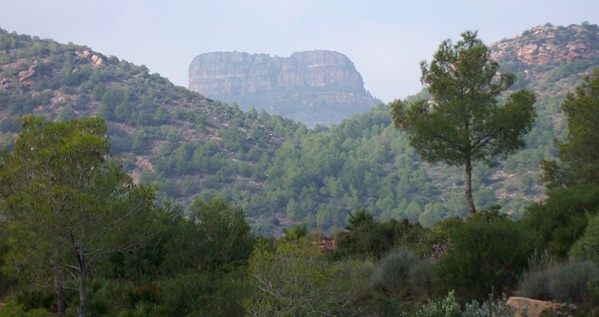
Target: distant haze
[386,40]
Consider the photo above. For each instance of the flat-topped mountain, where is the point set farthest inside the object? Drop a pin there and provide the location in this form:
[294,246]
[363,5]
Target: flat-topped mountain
[314,87]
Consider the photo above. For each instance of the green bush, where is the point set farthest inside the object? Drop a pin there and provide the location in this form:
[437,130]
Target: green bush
[422,278]
[371,239]
[535,282]
[587,247]
[491,308]
[486,254]
[296,279]
[399,283]
[569,282]
[450,307]
[182,294]
[203,294]
[561,219]
[535,285]
[394,271]
[572,282]
[445,307]
[13,308]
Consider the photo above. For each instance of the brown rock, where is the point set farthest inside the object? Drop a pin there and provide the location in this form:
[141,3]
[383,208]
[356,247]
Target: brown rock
[5,84]
[96,60]
[26,75]
[533,307]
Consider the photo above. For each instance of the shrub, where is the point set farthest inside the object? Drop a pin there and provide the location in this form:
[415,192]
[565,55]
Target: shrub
[422,278]
[491,308]
[296,279]
[13,309]
[203,294]
[561,219]
[535,282]
[394,271]
[569,282]
[534,285]
[371,239]
[573,282]
[449,307]
[445,307]
[486,254]
[399,283]
[587,247]
[182,294]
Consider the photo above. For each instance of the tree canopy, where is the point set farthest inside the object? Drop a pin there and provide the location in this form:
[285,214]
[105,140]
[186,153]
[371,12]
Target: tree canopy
[578,153]
[63,200]
[464,122]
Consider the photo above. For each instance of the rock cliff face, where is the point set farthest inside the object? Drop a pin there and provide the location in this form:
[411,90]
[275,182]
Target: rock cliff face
[546,46]
[315,87]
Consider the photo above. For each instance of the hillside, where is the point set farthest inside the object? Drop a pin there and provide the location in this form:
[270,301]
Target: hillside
[165,134]
[314,87]
[277,170]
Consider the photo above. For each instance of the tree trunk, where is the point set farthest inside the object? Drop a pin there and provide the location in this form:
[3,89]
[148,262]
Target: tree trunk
[468,189]
[82,290]
[60,305]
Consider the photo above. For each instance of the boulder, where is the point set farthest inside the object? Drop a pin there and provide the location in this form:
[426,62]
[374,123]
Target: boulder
[26,75]
[96,60]
[533,307]
[5,84]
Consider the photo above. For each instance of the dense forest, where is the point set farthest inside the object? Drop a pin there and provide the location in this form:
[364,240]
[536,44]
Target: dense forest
[123,195]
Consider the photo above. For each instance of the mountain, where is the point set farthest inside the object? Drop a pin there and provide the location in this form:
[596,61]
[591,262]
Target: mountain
[167,135]
[277,170]
[549,54]
[314,87]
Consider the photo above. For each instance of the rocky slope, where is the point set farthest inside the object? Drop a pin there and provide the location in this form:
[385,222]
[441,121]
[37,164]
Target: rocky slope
[549,44]
[314,87]
[166,135]
[551,58]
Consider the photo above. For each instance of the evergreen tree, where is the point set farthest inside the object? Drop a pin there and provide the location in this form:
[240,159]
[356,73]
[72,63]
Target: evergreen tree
[579,151]
[464,122]
[63,200]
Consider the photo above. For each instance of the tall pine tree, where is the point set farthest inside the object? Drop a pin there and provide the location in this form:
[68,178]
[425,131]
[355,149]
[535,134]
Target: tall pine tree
[464,122]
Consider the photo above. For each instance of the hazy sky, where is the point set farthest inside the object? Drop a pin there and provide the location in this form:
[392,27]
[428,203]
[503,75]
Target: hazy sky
[386,40]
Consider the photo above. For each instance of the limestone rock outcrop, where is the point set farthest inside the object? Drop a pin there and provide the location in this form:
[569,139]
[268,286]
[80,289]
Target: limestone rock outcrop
[549,45]
[26,75]
[93,58]
[314,87]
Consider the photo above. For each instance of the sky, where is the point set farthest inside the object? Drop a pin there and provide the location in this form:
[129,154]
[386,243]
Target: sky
[386,40]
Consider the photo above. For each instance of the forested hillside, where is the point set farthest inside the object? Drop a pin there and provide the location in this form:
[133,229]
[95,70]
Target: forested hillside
[278,171]
[84,231]
[180,140]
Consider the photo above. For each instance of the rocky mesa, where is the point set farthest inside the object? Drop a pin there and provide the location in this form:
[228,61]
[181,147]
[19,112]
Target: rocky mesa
[314,87]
